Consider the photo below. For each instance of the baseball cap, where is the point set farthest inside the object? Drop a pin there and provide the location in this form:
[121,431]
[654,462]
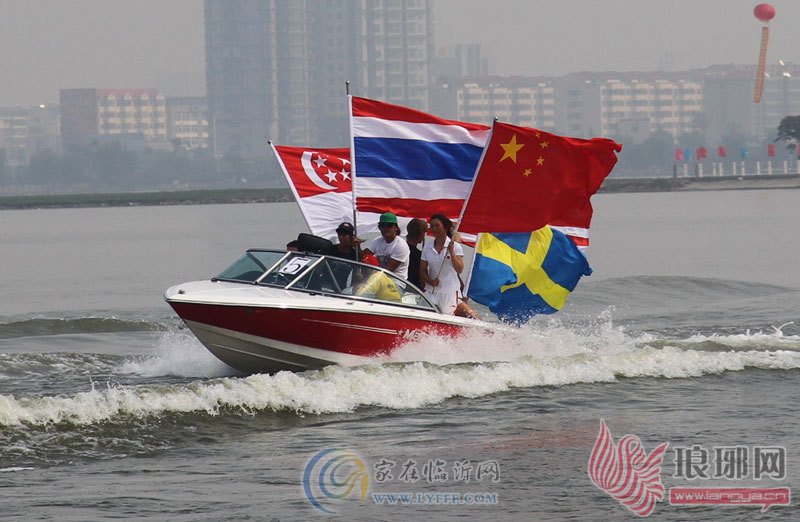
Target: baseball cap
[346,229]
[388,217]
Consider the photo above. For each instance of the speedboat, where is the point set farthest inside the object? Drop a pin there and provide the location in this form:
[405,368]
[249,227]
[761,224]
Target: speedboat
[274,310]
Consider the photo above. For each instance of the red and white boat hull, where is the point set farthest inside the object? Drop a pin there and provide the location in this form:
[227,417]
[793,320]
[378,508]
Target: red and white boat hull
[255,329]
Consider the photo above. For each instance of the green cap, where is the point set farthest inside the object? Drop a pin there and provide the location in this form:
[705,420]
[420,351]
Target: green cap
[388,217]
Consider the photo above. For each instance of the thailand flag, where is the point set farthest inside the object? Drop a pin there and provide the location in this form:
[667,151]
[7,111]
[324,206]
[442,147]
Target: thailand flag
[321,182]
[410,163]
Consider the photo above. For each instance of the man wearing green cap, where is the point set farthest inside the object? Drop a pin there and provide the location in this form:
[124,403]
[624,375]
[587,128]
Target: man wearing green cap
[390,249]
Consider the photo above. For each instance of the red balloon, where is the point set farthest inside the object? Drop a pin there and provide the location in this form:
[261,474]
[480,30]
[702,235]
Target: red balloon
[764,12]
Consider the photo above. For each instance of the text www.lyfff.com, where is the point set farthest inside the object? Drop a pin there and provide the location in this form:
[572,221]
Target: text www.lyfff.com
[418,499]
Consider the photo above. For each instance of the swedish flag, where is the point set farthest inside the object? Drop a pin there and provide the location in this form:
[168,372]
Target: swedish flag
[520,275]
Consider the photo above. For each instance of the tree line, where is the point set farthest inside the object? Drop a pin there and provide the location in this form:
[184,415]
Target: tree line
[656,154]
[111,166]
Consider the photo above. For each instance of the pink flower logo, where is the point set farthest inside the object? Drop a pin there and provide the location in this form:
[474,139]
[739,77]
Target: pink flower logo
[626,473]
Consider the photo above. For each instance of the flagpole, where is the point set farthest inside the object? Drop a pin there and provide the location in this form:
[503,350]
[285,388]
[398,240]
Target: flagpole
[465,292]
[452,239]
[471,186]
[475,177]
[352,168]
[443,260]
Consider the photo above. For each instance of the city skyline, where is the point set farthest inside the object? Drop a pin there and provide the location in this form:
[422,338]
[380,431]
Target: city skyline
[49,45]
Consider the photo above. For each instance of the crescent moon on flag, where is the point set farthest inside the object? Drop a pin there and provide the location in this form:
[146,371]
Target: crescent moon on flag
[305,160]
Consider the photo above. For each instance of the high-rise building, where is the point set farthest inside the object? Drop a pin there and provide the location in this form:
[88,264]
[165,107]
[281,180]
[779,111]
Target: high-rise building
[26,131]
[276,69]
[120,113]
[631,105]
[14,134]
[460,61]
[241,54]
[42,130]
[451,69]
[187,122]
[729,106]
[398,43]
[520,101]
[335,57]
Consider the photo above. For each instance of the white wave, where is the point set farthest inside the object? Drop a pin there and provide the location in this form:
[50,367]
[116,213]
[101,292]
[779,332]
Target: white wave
[774,340]
[548,338]
[177,353]
[770,340]
[392,385]
[16,468]
[424,372]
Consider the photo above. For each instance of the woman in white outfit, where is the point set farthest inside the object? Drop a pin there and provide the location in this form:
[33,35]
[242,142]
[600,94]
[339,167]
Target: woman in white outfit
[442,262]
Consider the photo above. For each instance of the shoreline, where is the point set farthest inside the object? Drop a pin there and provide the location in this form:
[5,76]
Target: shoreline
[136,199]
[685,184]
[284,195]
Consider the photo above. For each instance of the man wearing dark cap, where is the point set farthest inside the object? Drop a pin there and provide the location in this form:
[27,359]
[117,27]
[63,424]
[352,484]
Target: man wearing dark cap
[390,249]
[346,248]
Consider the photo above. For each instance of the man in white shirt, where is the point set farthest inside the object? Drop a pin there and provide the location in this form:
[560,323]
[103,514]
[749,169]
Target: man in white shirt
[391,250]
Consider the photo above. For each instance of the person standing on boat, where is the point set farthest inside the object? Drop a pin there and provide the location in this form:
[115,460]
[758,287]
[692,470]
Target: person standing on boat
[390,249]
[415,235]
[442,262]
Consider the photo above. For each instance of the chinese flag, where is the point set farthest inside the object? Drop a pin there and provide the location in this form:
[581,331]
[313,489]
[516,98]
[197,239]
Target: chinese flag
[722,151]
[528,178]
[771,150]
[678,154]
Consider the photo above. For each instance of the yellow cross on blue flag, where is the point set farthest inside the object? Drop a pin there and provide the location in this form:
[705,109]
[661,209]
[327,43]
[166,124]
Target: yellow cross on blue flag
[520,275]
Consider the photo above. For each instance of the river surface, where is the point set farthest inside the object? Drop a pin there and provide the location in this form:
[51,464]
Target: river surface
[687,333]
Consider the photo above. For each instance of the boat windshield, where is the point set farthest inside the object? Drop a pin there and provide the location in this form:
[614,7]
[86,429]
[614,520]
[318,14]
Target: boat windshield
[251,266]
[324,275]
[331,275]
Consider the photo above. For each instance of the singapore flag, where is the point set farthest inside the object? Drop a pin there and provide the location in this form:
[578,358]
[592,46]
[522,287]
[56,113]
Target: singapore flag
[321,183]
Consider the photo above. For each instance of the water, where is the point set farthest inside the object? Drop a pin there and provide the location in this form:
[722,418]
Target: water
[688,332]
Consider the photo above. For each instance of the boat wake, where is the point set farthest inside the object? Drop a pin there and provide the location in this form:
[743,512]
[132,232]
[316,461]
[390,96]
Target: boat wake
[424,372]
[177,353]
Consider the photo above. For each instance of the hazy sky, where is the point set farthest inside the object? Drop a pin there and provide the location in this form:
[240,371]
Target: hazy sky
[46,45]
